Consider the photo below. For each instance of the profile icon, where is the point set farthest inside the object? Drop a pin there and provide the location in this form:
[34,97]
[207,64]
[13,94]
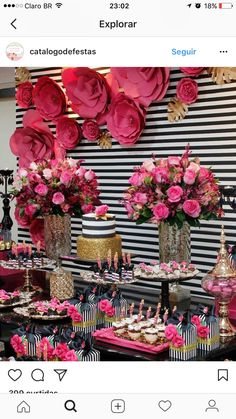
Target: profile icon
[14,51]
[212,406]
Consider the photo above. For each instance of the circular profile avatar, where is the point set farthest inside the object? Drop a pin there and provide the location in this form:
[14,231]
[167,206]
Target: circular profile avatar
[14,51]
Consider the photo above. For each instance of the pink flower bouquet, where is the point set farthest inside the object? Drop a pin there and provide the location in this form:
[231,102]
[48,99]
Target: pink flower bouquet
[172,190]
[54,187]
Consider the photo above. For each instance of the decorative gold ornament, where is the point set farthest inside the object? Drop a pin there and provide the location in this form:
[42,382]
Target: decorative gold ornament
[22,75]
[222,75]
[105,140]
[223,267]
[176,110]
[61,284]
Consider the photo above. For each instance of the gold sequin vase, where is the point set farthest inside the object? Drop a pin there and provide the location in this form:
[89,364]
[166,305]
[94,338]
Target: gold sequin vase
[61,284]
[57,232]
[174,243]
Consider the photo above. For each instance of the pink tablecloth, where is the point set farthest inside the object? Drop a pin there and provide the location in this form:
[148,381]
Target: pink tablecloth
[107,335]
[10,279]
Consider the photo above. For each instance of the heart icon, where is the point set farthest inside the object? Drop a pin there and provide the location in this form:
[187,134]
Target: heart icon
[164,405]
[14,374]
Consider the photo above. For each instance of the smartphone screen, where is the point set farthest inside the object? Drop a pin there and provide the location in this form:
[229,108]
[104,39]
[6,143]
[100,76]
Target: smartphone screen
[118,210]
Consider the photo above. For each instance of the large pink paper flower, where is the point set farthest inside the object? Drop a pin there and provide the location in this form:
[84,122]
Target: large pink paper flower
[33,142]
[187,91]
[87,90]
[49,99]
[37,231]
[68,133]
[91,130]
[192,71]
[125,120]
[23,220]
[144,84]
[24,94]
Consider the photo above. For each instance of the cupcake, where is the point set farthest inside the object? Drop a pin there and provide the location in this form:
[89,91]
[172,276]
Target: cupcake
[151,335]
[134,332]
[118,328]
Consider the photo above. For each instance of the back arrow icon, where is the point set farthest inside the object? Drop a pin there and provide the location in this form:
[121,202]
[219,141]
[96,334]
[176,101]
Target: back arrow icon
[12,24]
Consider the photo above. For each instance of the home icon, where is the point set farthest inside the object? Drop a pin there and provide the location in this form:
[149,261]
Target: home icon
[23,407]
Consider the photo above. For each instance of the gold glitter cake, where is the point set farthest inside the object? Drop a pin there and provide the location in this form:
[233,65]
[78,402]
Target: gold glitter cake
[98,237]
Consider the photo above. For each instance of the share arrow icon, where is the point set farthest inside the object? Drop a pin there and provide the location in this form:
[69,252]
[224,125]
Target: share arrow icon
[61,374]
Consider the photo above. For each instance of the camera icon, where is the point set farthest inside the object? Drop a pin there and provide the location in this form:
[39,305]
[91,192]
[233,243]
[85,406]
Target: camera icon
[198,5]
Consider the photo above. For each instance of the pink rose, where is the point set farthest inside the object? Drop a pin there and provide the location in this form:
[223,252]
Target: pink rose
[148,165]
[81,171]
[87,90]
[193,166]
[140,198]
[76,317]
[103,305]
[60,351]
[204,174]
[41,189]
[110,311]
[22,219]
[33,142]
[160,211]
[125,120]
[91,130]
[174,193]
[192,71]
[24,95]
[174,160]
[203,331]
[16,343]
[37,231]
[178,341]
[87,208]
[47,173]
[70,356]
[187,91]
[135,180]
[31,209]
[160,174]
[49,99]
[192,208]
[101,211]
[170,332]
[144,84]
[196,320]
[68,132]
[58,198]
[66,177]
[189,177]
[89,175]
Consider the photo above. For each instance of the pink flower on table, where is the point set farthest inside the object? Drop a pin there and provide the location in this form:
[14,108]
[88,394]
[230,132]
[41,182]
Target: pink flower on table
[192,208]
[103,305]
[58,198]
[196,320]
[178,341]
[41,189]
[148,165]
[16,343]
[192,71]
[140,198]
[144,84]
[31,209]
[174,160]
[189,177]
[187,91]
[60,351]
[68,132]
[89,175]
[74,314]
[170,332]
[37,231]
[160,211]
[125,120]
[87,90]
[87,208]
[70,356]
[16,293]
[135,180]
[174,193]
[91,130]
[110,311]
[47,173]
[203,331]
[49,98]
[101,211]
[66,177]
[24,95]
[33,142]
[22,219]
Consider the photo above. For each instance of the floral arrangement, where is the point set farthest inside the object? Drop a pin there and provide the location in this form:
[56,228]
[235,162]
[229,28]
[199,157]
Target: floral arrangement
[172,334]
[9,297]
[52,307]
[106,307]
[53,187]
[172,190]
[202,329]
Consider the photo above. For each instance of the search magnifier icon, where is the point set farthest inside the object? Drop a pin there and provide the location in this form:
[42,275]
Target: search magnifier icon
[70,406]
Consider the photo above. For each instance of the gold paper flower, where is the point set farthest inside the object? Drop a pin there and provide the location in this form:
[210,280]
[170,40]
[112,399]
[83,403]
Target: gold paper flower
[105,140]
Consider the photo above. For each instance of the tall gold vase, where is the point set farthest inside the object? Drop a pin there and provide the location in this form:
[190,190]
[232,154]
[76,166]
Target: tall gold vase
[57,231]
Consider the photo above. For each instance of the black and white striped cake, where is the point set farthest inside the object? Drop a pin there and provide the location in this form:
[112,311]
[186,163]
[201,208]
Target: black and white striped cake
[97,228]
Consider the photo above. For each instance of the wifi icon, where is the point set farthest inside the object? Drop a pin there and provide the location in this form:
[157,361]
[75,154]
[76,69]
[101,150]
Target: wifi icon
[58,5]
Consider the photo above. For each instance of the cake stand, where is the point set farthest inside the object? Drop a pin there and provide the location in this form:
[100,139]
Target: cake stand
[28,286]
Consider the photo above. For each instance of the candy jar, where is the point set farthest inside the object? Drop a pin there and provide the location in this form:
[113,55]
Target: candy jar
[221,283]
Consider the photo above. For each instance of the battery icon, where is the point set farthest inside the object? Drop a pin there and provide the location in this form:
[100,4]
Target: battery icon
[225,5]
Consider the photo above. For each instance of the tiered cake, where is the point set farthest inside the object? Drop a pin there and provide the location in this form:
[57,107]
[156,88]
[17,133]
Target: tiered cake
[98,237]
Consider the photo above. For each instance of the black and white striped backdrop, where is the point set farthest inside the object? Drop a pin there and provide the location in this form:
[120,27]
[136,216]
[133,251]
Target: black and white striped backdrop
[210,128]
